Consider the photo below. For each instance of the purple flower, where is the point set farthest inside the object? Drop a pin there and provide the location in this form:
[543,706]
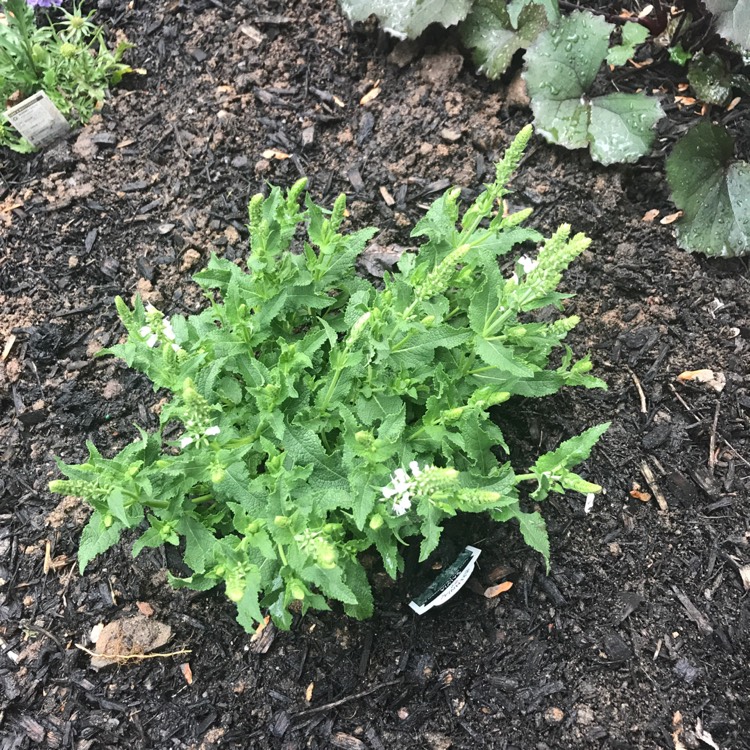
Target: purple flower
[43,3]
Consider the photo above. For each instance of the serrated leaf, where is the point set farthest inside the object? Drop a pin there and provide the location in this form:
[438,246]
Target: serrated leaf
[494,37]
[417,349]
[248,608]
[571,452]
[502,357]
[517,7]
[712,190]
[356,580]
[200,544]
[534,531]
[633,35]
[560,68]
[96,538]
[407,18]
[732,20]
[303,446]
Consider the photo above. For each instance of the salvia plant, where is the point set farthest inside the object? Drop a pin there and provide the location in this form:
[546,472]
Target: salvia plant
[68,59]
[564,57]
[314,416]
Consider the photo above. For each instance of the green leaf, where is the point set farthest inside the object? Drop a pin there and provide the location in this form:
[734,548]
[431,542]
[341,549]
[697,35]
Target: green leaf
[407,18]
[710,79]
[502,357]
[534,531]
[571,452]
[517,7]
[712,190]
[560,68]
[417,350]
[303,446]
[356,580]
[200,544]
[97,537]
[248,608]
[633,35]
[732,20]
[494,37]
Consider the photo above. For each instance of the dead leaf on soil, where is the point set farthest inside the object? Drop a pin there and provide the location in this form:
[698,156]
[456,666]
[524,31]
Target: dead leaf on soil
[262,638]
[638,494]
[649,216]
[493,591]
[704,736]
[715,380]
[131,637]
[145,608]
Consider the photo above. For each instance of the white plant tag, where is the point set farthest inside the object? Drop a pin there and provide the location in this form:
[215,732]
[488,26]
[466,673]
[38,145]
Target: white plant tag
[38,120]
[448,582]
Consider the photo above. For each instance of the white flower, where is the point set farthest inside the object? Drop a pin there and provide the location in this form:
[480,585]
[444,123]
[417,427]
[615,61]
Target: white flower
[528,264]
[176,348]
[145,331]
[152,341]
[150,309]
[415,470]
[186,440]
[168,330]
[215,430]
[401,506]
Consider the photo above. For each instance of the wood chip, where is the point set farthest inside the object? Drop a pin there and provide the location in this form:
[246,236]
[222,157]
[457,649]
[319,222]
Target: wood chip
[128,637]
[493,591]
[187,672]
[8,346]
[387,197]
[671,219]
[703,623]
[370,96]
[309,692]
[648,475]
[272,153]
[715,380]
[733,103]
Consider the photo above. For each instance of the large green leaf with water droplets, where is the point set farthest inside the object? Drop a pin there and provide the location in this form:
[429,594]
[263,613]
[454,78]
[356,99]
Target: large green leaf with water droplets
[408,18]
[713,191]
[732,20]
[495,37]
[560,69]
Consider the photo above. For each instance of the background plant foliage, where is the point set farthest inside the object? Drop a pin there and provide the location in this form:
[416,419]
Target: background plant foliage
[303,393]
[68,60]
[564,56]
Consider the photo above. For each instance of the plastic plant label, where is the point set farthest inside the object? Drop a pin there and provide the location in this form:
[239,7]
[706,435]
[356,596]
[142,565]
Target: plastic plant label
[38,120]
[450,581]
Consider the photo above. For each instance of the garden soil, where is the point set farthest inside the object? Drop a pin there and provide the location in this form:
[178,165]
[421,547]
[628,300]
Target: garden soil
[639,635]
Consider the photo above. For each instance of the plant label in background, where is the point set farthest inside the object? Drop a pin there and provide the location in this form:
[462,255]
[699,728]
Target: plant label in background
[38,120]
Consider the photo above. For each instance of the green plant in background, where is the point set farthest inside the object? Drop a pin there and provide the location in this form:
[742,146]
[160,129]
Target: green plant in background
[564,56]
[561,66]
[319,416]
[69,60]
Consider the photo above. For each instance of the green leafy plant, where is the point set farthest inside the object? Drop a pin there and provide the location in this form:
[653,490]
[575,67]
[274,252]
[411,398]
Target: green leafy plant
[321,416]
[561,66]
[408,18]
[496,30]
[68,60]
[713,191]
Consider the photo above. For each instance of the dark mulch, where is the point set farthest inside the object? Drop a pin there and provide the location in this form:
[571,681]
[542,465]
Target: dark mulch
[644,616]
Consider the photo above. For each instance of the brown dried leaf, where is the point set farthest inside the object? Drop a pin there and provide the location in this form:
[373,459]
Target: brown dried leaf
[649,216]
[145,608]
[671,219]
[130,636]
[187,673]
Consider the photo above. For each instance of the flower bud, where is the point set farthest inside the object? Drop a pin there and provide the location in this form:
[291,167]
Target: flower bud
[296,590]
[281,521]
[376,522]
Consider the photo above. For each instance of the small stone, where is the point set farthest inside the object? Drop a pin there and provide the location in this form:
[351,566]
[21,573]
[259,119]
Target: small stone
[584,715]
[447,134]
[516,95]
[232,235]
[198,55]
[189,259]
[112,390]
[554,715]
[308,136]
[262,166]
[148,294]
[72,261]
[239,162]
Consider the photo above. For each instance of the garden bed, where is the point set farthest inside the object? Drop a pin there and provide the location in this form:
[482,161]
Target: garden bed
[644,617]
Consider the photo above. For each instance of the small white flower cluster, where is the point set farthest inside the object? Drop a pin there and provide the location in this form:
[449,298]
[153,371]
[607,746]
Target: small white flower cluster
[527,264]
[400,489]
[152,336]
[190,439]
